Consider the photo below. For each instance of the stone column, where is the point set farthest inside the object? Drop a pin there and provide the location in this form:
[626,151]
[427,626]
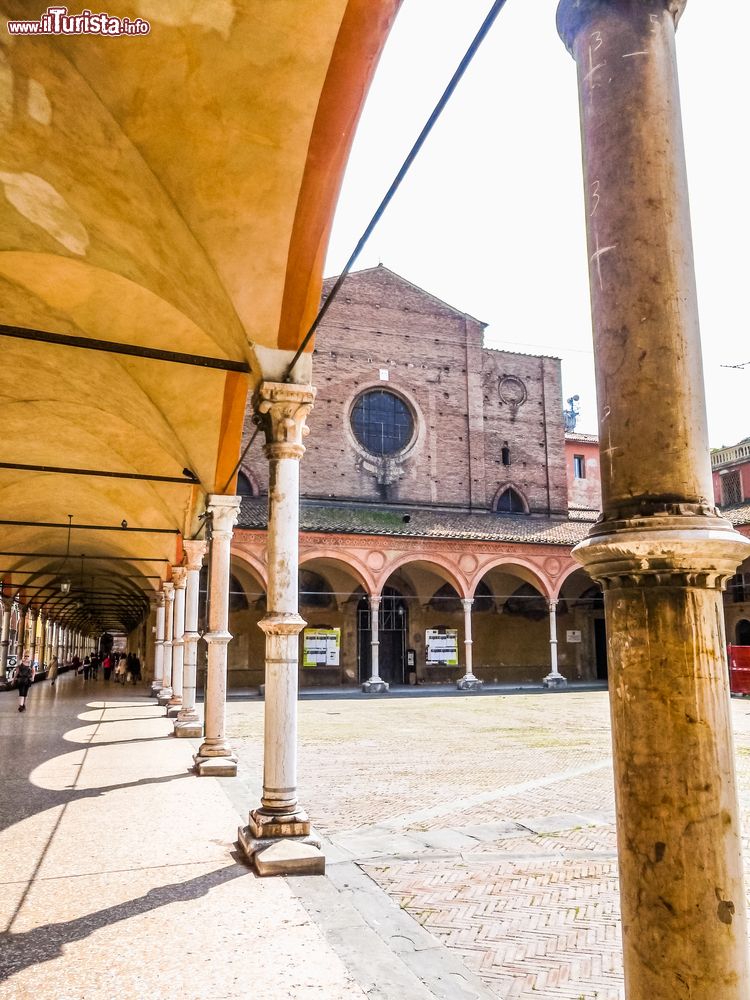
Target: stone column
[215,756]
[60,645]
[179,574]
[156,683]
[165,692]
[42,641]
[661,552]
[282,412]
[554,678]
[4,638]
[468,682]
[21,634]
[187,723]
[33,614]
[375,685]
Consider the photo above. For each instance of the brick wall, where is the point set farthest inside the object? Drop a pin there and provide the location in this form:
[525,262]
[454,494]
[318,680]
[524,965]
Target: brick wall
[468,401]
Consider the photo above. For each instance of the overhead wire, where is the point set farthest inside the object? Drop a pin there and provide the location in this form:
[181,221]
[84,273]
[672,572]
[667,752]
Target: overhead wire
[411,156]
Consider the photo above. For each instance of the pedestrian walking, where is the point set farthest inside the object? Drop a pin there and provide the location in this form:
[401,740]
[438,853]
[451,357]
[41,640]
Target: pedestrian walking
[86,667]
[121,669]
[135,668]
[53,670]
[107,667]
[24,679]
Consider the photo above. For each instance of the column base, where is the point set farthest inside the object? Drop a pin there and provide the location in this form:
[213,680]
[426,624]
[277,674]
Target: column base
[172,710]
[175,700]
[155,688]
[555,681]
[163,696]
[375,687]
[188,728]
[281,844]
[215,767]
[469,683]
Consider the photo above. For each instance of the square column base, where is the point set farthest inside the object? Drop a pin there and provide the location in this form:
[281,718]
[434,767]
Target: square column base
[172,711]
[469,683]
[375,687]
[163,696]
[215,767]
[555,681]
[283,856]
[188,728]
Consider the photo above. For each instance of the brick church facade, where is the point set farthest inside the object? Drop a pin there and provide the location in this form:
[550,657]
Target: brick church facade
[438,482]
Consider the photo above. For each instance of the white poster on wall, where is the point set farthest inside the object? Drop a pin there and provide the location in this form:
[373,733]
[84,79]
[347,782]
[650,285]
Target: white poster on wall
[321,647]
[441,646]
[573,635]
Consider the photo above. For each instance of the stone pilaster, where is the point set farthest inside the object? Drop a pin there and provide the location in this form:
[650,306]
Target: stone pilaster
[281,410]
[165,692]
[661,552]
[33,617]
[375,684]
[179,575]
[215,756]
[187,723]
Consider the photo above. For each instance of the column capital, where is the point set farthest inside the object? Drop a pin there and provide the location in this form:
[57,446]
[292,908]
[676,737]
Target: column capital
[158,599]
[179,577]
[467,603]
[168,589]
[195,550]
[665,552]
[374,600]
[223,510]
[573,16]
[281,411]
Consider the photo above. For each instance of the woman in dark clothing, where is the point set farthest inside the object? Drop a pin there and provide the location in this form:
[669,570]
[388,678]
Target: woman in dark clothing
[24,679]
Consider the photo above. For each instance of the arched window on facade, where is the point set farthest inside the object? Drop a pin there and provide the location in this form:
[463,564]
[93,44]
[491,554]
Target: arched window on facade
[510,501]
[742,632]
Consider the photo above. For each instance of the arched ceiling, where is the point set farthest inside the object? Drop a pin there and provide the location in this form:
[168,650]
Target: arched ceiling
[170,192]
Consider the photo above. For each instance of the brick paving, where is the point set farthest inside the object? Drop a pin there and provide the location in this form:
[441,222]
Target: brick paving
[488,820]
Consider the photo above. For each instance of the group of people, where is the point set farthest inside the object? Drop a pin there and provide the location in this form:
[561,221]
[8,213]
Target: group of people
[125,666]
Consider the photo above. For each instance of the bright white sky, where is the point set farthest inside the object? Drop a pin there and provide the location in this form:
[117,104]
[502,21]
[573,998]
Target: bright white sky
[491,216]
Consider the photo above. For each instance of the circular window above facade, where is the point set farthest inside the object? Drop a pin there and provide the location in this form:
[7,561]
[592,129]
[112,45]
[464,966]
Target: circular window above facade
[382,422]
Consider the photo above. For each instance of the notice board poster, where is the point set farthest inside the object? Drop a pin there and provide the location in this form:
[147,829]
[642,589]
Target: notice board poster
[322,647]
[441,645]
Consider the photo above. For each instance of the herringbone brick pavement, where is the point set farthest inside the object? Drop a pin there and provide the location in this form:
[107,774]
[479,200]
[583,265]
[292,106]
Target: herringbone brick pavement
[522,785]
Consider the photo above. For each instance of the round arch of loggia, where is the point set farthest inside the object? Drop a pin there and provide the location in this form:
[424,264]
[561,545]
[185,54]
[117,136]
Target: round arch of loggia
[441,567]
[508,564]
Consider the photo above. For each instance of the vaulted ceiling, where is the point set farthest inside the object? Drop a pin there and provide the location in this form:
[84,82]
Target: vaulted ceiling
[165,194]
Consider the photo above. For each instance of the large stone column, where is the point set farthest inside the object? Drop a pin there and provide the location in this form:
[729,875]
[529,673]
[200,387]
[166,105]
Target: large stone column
[468,682]
[179,574]
[165,693]
[187,723]
[661,552]
[215,756]
[554,678]
[375,684]
[158,678]
[33,615]
[21,634]
[60,645]
[4,638]
[282,411]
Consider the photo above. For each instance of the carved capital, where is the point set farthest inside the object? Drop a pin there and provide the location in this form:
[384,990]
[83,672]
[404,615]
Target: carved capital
[574,16]
[223,511]
[665,552]
[195,550]
[168,589]
[179,577]
[158,599]
[281,412]
[282,624]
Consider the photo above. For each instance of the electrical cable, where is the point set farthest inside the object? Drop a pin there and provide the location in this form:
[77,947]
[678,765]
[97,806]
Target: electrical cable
[386,200]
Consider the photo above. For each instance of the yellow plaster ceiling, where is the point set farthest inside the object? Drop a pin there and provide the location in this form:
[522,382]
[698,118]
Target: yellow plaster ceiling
[172,191]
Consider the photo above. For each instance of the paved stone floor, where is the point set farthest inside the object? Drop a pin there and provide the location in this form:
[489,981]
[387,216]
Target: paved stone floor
[470,845]
[488,820]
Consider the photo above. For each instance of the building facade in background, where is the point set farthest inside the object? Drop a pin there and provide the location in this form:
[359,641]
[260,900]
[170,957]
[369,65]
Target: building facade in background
[442,494]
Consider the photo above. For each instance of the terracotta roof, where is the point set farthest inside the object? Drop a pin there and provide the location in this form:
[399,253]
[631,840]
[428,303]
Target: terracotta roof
[738,514]
[581,438]
[346,519]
